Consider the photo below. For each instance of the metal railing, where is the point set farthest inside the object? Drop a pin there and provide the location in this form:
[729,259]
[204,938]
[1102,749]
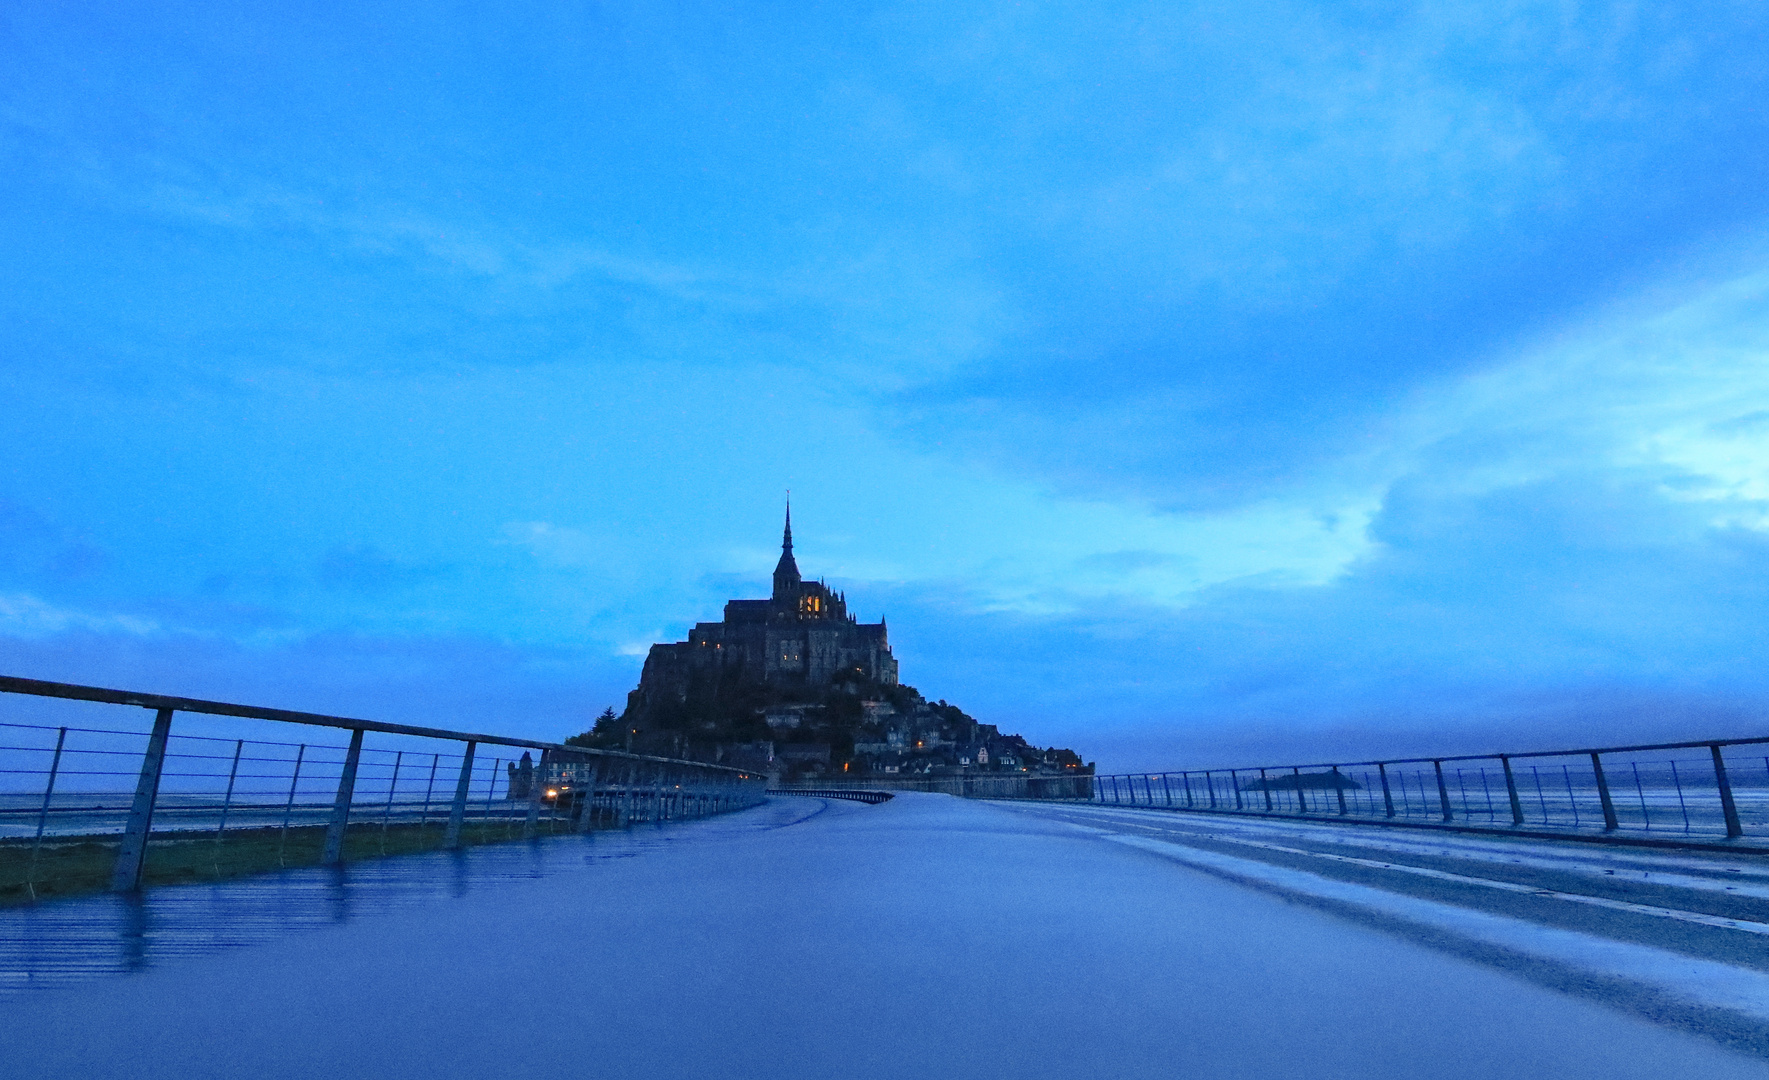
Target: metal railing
[1714,791]
[93,804]
[1067,786]
[872,796]
[1709,791]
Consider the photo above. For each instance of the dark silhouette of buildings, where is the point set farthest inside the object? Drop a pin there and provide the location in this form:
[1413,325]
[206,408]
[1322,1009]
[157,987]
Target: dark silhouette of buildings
[796,685]
[797,642]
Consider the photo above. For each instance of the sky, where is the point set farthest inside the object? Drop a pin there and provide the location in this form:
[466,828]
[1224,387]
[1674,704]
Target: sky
[1190,384]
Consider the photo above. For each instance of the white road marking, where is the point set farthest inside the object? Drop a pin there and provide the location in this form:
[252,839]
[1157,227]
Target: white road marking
[1738,880]
[1701,982]
[1748,926]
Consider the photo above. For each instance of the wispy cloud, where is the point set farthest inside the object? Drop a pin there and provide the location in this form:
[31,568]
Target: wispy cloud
[26,616]
[1674,390]
[1194,326]
[556,545]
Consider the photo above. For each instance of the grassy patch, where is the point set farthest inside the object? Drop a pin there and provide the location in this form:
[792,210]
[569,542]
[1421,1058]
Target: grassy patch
[70,866]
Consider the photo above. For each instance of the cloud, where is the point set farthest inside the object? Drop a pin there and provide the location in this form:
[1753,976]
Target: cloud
[1128,561]
[1674,391]
[26,616]
[1185,365]
[1582,609]
[32,544]
[555,545]
[366,568]
[1569,545]
[458,682]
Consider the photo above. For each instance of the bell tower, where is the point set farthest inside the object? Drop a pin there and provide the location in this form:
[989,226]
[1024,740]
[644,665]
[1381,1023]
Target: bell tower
[786,571]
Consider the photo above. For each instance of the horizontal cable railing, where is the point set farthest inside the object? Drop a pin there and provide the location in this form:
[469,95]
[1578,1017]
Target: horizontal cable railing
[1017,784]
[92,803]
[853,794]
[1709,791]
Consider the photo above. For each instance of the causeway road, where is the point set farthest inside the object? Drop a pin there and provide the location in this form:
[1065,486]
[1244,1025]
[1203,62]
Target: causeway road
[925,937]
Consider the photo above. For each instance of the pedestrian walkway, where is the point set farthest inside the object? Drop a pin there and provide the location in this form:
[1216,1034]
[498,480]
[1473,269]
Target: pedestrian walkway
[925,937]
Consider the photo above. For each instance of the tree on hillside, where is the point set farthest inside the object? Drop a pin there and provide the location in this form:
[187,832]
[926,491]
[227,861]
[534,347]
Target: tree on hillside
[608,731]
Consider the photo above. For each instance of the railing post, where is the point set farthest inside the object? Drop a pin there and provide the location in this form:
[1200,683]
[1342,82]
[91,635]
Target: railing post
[1511,790]
[392,788]
[1210,787]
[491,791]
[1443,792]
[1301,799]
[1387,795]
[1727,806]
[1234,779]
[239,747]
[1265,786]
[586,817]
[1609,822]
[537,780]
[126,874]
[1186,779]
[43,815]
[1339,786]
[457,815]
[429,796]
[282,839]
[1167,789]
[341,804]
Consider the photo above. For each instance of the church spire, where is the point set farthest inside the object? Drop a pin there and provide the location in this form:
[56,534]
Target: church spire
[786,571]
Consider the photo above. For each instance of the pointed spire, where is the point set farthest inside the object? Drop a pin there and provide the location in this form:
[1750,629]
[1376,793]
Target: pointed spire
[786,571]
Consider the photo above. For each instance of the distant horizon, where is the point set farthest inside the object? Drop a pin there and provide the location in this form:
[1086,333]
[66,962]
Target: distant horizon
[1187,385]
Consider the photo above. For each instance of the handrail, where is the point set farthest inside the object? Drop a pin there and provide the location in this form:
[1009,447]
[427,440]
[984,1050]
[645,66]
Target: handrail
[621,787]
[1428,759]
[852,794]
[10,684]
[1496,792]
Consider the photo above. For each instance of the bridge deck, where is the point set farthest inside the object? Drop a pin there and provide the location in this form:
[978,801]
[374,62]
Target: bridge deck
[924,937]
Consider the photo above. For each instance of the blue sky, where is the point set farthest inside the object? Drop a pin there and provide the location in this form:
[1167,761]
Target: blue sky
[1186,383]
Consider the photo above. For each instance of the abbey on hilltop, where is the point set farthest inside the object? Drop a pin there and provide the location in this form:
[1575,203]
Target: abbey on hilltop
[801,638]
[795,685]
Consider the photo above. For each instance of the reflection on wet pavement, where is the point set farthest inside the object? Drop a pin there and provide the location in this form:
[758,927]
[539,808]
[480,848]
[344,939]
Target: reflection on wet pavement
[62,941]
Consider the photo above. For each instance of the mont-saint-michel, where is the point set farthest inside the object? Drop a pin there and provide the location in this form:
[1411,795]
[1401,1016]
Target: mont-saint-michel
[795,684]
